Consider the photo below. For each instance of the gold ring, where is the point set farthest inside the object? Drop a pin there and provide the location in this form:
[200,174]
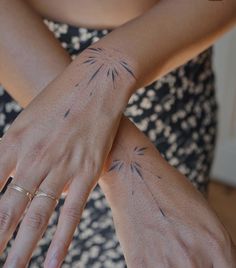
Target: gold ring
[40,193]
[20,189]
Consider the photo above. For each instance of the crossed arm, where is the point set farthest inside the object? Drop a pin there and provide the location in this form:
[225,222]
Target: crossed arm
[127,65]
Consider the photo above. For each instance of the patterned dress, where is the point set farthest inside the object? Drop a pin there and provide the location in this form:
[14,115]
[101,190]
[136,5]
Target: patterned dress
[179,115]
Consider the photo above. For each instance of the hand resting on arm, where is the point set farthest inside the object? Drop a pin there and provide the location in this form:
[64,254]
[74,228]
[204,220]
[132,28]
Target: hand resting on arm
[62,105]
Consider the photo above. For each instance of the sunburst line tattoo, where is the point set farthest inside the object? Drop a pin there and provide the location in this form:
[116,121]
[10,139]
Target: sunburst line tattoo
[116,165]
[102,61]
[66,113]
[95,49]
[101,55]
[96,72]
[128,69]
[137,170]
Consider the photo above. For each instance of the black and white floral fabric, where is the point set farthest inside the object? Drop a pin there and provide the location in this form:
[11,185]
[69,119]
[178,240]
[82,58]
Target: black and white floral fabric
[178,113]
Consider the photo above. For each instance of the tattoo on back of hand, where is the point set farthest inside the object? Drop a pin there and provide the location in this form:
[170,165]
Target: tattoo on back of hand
[136,170]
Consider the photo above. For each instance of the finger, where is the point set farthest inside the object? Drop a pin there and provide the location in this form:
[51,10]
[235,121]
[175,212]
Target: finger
[7,163]
[68,221]
[13,203]
[36,220]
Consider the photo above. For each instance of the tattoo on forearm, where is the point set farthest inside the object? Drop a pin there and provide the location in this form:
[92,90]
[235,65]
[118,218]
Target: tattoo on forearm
[112,67]
[104,64]
[95,73]
[66,113]
[136,170]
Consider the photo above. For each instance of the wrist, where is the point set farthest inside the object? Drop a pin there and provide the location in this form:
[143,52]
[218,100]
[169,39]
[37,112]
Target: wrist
[112,71]
[147,205]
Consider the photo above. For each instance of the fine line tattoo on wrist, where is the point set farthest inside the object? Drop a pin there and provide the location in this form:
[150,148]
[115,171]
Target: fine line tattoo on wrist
[66,113]
[137,170]
[112,67]
[106,65]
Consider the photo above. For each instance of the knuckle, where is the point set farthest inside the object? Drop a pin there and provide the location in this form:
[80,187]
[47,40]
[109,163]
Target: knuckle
[51,188]
[72,214]
[91,166]
[6,219]
[36,220]
[13,136]
[8,144]
[219,240]
[37,152]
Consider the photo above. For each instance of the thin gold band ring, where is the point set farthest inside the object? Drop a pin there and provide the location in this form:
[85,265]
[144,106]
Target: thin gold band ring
[20,189]
[40,193]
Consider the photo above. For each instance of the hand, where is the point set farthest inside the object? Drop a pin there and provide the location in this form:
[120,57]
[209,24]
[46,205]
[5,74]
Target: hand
[160,219]
[62,137]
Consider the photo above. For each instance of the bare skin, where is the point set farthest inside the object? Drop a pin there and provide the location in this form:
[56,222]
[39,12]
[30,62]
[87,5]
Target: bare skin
[80,79]
[92,13]
[160,219]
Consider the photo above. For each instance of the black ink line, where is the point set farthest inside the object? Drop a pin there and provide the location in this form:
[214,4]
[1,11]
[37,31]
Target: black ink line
[95,49]
[116,72]
[128,70]
[113,78]
[121,165]
[132,169]
[154,198]
[95,73]
[141,149]
[124,62]
[116,160]
[113,167]
[136,163]
[138,171]
[66,113]
[163,214]
[90,61]
[116,164]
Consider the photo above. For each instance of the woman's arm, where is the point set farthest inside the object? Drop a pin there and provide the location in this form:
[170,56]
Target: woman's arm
[161,220]
[30,56]
[169,34]
[36,141]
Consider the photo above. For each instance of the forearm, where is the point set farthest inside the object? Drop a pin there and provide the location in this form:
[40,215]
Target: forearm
[79,72]
[159,216]
[175,34]
[30,55]
[169,34]
[147,47]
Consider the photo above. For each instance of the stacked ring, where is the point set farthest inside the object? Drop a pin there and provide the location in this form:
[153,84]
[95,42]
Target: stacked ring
[40,193]
[21,190]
